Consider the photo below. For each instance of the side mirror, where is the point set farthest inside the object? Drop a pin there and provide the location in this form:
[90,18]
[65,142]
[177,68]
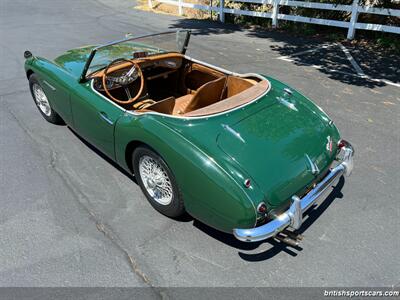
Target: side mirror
[27,54]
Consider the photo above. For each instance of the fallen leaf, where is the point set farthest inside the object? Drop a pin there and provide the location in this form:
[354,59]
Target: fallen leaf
[388,103]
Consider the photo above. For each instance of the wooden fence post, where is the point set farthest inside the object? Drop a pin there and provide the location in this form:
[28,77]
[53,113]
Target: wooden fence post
[180,12]
[221,11]
[275,10]
[353,20]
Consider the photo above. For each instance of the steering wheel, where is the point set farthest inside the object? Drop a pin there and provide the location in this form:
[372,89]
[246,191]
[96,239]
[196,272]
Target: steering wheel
[123,79]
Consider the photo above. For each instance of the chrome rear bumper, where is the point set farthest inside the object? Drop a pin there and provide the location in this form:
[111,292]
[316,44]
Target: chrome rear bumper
[293,217]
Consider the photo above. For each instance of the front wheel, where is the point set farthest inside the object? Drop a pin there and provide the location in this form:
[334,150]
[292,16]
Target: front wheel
[157,182]
[42,102]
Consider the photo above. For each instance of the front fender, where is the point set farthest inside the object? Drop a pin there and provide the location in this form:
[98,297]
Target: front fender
[209,192]
[55,82]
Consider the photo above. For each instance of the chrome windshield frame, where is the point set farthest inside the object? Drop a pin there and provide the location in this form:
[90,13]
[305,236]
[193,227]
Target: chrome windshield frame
[83,77]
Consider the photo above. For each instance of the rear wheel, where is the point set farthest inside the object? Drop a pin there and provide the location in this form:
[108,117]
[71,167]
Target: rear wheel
[157,182]
[42,102]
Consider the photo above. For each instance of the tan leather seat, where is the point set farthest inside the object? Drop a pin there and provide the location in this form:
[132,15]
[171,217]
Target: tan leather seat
[236,100]
[170,106]
[181,104]
[235,85]
[207,94]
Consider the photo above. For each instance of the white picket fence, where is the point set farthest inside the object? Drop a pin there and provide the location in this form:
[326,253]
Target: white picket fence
[352,25]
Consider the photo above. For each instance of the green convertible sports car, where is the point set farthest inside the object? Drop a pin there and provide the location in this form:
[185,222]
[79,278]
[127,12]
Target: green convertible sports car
[243,153]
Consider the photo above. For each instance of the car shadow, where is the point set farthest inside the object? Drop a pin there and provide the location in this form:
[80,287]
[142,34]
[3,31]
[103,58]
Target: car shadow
[275,247]
[332,61]
[205,27]
[102,155]
[183,218]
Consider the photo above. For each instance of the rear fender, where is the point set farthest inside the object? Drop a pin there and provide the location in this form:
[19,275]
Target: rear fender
[209,192]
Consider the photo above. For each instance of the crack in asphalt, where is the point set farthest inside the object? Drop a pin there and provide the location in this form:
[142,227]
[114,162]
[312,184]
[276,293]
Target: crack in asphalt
[84,202]
[13,93]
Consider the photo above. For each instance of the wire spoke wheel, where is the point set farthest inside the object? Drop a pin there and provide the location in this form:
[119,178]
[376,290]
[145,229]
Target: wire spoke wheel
[155,180]
[41,100]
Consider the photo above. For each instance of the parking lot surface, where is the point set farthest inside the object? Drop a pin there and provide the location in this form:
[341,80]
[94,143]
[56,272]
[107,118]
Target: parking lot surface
[69,217]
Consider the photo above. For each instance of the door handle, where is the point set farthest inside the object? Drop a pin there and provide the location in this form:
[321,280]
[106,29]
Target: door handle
[105,117]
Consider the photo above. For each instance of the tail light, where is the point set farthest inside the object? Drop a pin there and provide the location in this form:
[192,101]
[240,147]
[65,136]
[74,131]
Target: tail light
[345,155]
[262,208]
[247,183]
[342,143]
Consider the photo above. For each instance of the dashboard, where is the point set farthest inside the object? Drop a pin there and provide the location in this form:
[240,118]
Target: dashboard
[152,68]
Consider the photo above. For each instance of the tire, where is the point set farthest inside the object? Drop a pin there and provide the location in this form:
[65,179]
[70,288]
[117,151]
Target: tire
[169,202]
[43,104]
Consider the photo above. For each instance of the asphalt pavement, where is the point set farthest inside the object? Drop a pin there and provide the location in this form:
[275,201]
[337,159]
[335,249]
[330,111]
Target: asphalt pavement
[69,217]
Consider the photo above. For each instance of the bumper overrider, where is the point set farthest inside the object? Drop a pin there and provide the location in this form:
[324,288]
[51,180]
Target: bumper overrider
[293,217]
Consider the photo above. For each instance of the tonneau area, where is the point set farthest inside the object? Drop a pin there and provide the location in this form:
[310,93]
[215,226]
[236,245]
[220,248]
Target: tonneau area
[219,95]
[232,102]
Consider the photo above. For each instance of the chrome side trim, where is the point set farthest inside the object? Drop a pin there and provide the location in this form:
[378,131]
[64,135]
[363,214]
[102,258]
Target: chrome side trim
[287,103]
[288,91]
[234,133]
[293,216]
[313,166]
[49,85]
[104,117]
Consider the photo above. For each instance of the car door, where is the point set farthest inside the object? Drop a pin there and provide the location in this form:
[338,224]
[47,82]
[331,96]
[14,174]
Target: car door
[95,117]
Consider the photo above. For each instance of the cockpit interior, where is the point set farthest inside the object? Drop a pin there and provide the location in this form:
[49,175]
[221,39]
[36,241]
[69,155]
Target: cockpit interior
[173,84]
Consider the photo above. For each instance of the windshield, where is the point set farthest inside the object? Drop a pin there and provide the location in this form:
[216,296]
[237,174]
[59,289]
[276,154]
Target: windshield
[136,47]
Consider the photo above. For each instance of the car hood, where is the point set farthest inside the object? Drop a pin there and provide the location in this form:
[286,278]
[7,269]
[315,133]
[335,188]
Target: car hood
[74,60]
[278,145]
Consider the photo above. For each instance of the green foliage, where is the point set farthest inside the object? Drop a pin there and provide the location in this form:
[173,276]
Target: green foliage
[389,42]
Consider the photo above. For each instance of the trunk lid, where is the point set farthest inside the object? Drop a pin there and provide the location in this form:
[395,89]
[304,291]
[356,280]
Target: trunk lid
[281,145]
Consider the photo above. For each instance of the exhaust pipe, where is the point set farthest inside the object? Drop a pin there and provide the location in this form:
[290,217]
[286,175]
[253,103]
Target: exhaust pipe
[289,237]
